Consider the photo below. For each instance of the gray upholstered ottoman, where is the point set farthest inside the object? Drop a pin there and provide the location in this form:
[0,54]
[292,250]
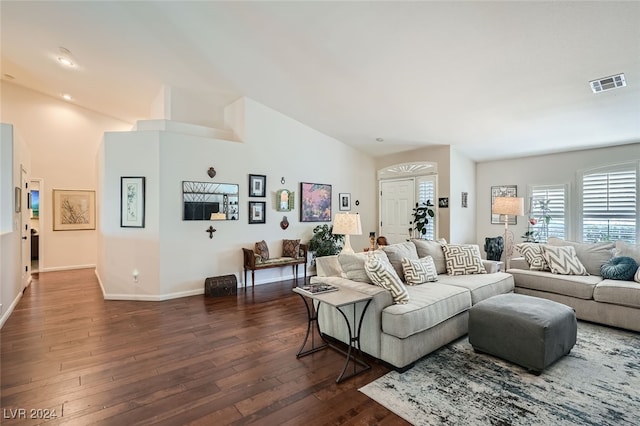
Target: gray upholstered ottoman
[528,331]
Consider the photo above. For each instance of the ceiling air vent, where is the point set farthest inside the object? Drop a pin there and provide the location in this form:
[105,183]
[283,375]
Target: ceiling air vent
[608,83]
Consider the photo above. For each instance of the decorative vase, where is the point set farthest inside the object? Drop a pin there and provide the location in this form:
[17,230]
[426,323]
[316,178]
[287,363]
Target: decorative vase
[494,246]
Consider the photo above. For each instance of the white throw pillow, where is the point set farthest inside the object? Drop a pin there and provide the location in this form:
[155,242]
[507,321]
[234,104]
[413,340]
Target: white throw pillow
[532,253]
[463,259]
[636,278]
[419,271]
[382,274]
[563,260]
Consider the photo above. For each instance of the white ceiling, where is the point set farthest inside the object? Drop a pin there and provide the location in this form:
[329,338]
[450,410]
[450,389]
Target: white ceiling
[493,79]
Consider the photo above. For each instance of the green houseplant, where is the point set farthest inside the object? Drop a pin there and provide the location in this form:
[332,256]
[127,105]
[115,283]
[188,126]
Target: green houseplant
[324,242]
[421,214]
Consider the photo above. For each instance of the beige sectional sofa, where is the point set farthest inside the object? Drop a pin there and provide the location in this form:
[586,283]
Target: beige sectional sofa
[436,313]
[606,301]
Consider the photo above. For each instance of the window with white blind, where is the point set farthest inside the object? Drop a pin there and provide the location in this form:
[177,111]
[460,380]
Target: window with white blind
[547,215]
[610,204]
[426,188]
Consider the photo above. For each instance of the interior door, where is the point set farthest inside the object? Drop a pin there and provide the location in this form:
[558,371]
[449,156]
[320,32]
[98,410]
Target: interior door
[25,245]
[396,204]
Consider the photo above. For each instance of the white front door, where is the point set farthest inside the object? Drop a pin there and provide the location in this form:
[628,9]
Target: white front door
[397,199]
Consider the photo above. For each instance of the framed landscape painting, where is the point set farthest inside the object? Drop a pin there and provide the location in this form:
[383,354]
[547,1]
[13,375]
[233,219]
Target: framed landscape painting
[315,202]
[74,210]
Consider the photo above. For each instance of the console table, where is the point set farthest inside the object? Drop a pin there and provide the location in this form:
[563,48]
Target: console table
[337,299]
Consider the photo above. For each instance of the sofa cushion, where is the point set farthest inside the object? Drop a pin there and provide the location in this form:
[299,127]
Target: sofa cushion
[534,256]
[434,249]
[626,293]
[563,260]
[579,286]
[419,271]
[636,277]
[625,249]
[352,265]
[481,286]
[397,252]
[329,266]
[619,268]
[381,273]
[262,250]
[290,248]
[428,306]
[463,259]
[591,255]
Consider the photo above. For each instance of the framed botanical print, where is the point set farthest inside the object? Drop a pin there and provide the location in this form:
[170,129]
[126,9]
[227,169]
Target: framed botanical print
[257,212]
[132,202]
[503,191]
[74,210]
[257,185]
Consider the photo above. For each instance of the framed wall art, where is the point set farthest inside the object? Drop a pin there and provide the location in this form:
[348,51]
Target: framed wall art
[315,202]
[257,212]
[74,210]
[503,191]
[344,199]
[132,202]
[257,185]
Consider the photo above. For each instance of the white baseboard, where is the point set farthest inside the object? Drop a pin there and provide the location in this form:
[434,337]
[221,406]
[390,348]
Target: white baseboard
[66,268]
[154,298]
[6,314]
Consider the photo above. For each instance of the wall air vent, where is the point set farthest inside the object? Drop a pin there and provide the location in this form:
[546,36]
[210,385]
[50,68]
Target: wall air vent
[608,83]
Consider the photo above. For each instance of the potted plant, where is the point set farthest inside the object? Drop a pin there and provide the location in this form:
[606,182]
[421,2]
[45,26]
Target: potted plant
[324,242]
[421,214]
[532,235]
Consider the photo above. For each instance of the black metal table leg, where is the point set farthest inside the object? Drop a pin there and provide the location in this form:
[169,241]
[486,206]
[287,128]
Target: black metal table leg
[312,315]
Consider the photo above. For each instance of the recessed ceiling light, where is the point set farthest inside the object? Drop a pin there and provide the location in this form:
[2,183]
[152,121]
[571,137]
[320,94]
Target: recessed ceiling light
[66,58]
[67,97]
[379,140]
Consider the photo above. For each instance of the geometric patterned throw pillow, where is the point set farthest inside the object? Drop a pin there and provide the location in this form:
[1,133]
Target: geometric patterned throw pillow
[463,259]
[532,253]
[290,248]
[262,249]
[384,275]
[419,271]
[562,260]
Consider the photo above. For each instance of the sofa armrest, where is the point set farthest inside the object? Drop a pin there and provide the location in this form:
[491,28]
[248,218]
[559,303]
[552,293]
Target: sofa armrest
[493,266]
[519,263]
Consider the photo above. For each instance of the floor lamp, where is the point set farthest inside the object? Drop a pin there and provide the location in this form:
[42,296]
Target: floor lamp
[508,206]
[347,224]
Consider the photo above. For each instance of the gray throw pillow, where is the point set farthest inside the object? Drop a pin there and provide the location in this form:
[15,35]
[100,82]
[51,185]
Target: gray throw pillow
[382,274]
[396,252]
[434,249]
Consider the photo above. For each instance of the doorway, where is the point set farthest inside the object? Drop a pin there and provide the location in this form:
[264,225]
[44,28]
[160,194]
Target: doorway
[36,186]
[401,187]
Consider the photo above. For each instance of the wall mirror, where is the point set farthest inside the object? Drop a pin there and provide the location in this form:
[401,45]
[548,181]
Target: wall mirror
[209,201]
[285,200]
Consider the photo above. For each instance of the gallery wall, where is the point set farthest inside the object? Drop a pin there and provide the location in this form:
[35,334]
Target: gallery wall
[172,257]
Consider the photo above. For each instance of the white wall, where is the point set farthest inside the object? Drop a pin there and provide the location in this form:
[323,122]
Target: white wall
[538,170]
[14,155]
[63,140]
[173,256]
[462,179]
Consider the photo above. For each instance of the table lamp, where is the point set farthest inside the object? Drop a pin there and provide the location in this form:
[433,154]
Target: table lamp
[347,224]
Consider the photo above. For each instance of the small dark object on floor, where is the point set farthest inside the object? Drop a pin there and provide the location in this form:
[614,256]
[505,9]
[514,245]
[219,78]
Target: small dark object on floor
[224,285]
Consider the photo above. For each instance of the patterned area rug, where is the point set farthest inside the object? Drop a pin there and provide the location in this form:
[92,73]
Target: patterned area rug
[598,383]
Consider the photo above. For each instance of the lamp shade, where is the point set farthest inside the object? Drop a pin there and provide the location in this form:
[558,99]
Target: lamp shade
[347,224]
[511,206]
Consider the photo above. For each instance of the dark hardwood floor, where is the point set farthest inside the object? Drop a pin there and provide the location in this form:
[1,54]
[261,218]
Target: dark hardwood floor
[196,360]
